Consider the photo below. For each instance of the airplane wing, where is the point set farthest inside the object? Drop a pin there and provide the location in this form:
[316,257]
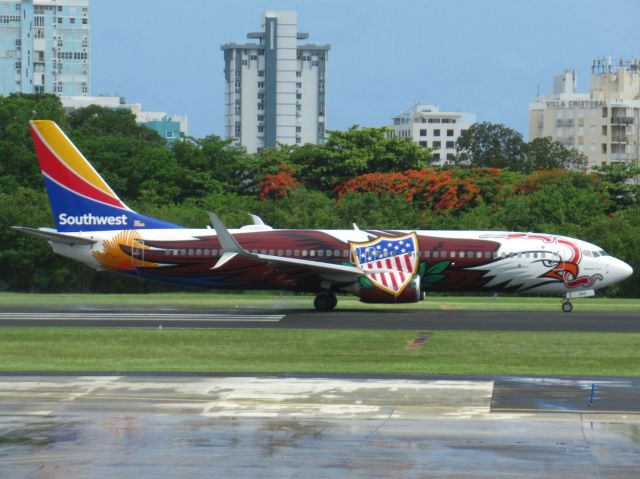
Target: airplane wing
[52,235]
[329,271]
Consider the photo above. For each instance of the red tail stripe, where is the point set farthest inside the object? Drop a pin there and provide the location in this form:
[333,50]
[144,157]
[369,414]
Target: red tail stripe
[60,173]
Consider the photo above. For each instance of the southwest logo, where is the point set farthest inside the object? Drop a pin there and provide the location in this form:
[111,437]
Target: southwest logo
[89,219]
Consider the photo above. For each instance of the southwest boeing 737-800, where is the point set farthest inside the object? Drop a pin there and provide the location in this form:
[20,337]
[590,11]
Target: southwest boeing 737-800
[95,227]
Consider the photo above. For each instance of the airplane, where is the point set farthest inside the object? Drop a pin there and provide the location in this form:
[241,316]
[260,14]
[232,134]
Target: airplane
[94,226]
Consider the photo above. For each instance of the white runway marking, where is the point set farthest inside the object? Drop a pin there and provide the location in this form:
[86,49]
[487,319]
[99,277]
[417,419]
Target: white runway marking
[217,317]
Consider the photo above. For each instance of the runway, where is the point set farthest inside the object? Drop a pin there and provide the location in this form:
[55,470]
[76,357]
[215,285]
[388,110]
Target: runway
[398,319]
[67,426]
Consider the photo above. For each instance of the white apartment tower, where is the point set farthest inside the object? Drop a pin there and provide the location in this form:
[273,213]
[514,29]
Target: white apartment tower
[431,128]
[275,88]
[44,47]
[602,124]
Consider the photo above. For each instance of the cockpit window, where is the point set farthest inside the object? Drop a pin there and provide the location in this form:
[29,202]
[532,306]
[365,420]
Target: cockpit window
[587,253]
[603,253]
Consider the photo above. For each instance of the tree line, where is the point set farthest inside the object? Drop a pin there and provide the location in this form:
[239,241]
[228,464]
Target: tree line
[497,182]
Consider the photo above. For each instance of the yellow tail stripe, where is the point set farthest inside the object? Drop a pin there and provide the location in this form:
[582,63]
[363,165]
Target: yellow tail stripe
[69,154]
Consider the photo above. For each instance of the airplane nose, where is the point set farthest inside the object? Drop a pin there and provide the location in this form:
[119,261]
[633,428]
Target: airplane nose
[619,270]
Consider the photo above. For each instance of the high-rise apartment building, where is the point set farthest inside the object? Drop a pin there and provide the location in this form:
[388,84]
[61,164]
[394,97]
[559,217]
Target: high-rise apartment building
[431,128]
[275,88]
[602,124]
[44,47]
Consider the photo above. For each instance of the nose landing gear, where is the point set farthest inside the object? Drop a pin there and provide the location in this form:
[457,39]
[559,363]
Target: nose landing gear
[325,301]
[567,307]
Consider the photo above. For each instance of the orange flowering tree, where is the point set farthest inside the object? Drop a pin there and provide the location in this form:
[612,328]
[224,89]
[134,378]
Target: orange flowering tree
[449,190]
[278,185]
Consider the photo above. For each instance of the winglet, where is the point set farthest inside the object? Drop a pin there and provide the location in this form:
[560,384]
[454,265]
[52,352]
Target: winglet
[257,220]
[228,243]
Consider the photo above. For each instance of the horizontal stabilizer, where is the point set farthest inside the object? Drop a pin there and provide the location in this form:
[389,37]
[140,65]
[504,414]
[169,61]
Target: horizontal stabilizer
[52,235]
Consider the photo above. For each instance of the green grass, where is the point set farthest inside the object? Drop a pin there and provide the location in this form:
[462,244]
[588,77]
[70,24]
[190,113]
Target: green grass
[275,301]
[276,351]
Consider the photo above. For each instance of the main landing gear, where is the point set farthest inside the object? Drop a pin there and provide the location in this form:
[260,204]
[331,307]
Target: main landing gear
[325,301]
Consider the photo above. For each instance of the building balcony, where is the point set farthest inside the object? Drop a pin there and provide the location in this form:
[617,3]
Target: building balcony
[621,120]
[619,138]
[629,156]
[567,123]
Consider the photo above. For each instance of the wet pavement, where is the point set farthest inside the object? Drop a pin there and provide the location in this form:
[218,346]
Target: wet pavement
[299,427]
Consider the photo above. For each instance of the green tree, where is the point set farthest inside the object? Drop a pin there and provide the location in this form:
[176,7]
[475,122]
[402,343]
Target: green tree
[369,210]
[346,154]
[301,209]
[547,154]
[133,159]
[564,206]
[19,165]
[622,183]
[490,145]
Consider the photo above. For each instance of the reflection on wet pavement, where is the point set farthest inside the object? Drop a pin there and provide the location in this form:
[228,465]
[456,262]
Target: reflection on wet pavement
[120,426]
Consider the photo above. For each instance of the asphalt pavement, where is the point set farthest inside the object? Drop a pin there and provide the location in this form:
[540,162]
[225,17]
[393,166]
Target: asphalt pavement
[396,319]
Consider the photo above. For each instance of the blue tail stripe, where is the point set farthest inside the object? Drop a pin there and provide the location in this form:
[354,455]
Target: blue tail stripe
[73,213]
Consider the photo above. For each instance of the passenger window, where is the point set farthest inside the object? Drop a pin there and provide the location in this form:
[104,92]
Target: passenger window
[312,252]
[296,253]
[479,254]
[453,254]
[328,253]
[305,252]
[264,251]
[288,253]
[198,252]
[280,252]
[435,254]
[487,254]
[336,253]
[214,252]
[427,254]
[272,252]
[190,252]
[320,252]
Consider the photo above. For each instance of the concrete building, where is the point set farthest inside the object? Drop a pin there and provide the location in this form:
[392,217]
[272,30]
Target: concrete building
[603,124]
[170,127]
[275,88]
[431,128]
[44,47]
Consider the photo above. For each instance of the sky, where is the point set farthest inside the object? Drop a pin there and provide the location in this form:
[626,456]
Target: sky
[486,57]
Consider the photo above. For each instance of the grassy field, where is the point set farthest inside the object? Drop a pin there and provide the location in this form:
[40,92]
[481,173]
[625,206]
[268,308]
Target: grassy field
[335,351]
[275,301]
[277,351]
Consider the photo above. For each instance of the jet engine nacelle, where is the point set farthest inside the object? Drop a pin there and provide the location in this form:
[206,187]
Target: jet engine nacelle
[411,294]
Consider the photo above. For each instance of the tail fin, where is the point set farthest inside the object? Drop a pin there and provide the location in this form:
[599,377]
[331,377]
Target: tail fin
[80,199]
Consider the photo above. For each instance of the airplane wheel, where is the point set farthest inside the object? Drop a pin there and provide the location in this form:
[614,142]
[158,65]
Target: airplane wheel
[325,302]
[567,307]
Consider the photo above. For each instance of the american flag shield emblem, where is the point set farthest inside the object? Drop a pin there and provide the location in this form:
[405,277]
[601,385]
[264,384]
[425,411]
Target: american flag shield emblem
[393,261]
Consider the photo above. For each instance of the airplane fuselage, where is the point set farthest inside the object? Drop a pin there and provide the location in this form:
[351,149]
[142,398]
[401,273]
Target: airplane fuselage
[459,261]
